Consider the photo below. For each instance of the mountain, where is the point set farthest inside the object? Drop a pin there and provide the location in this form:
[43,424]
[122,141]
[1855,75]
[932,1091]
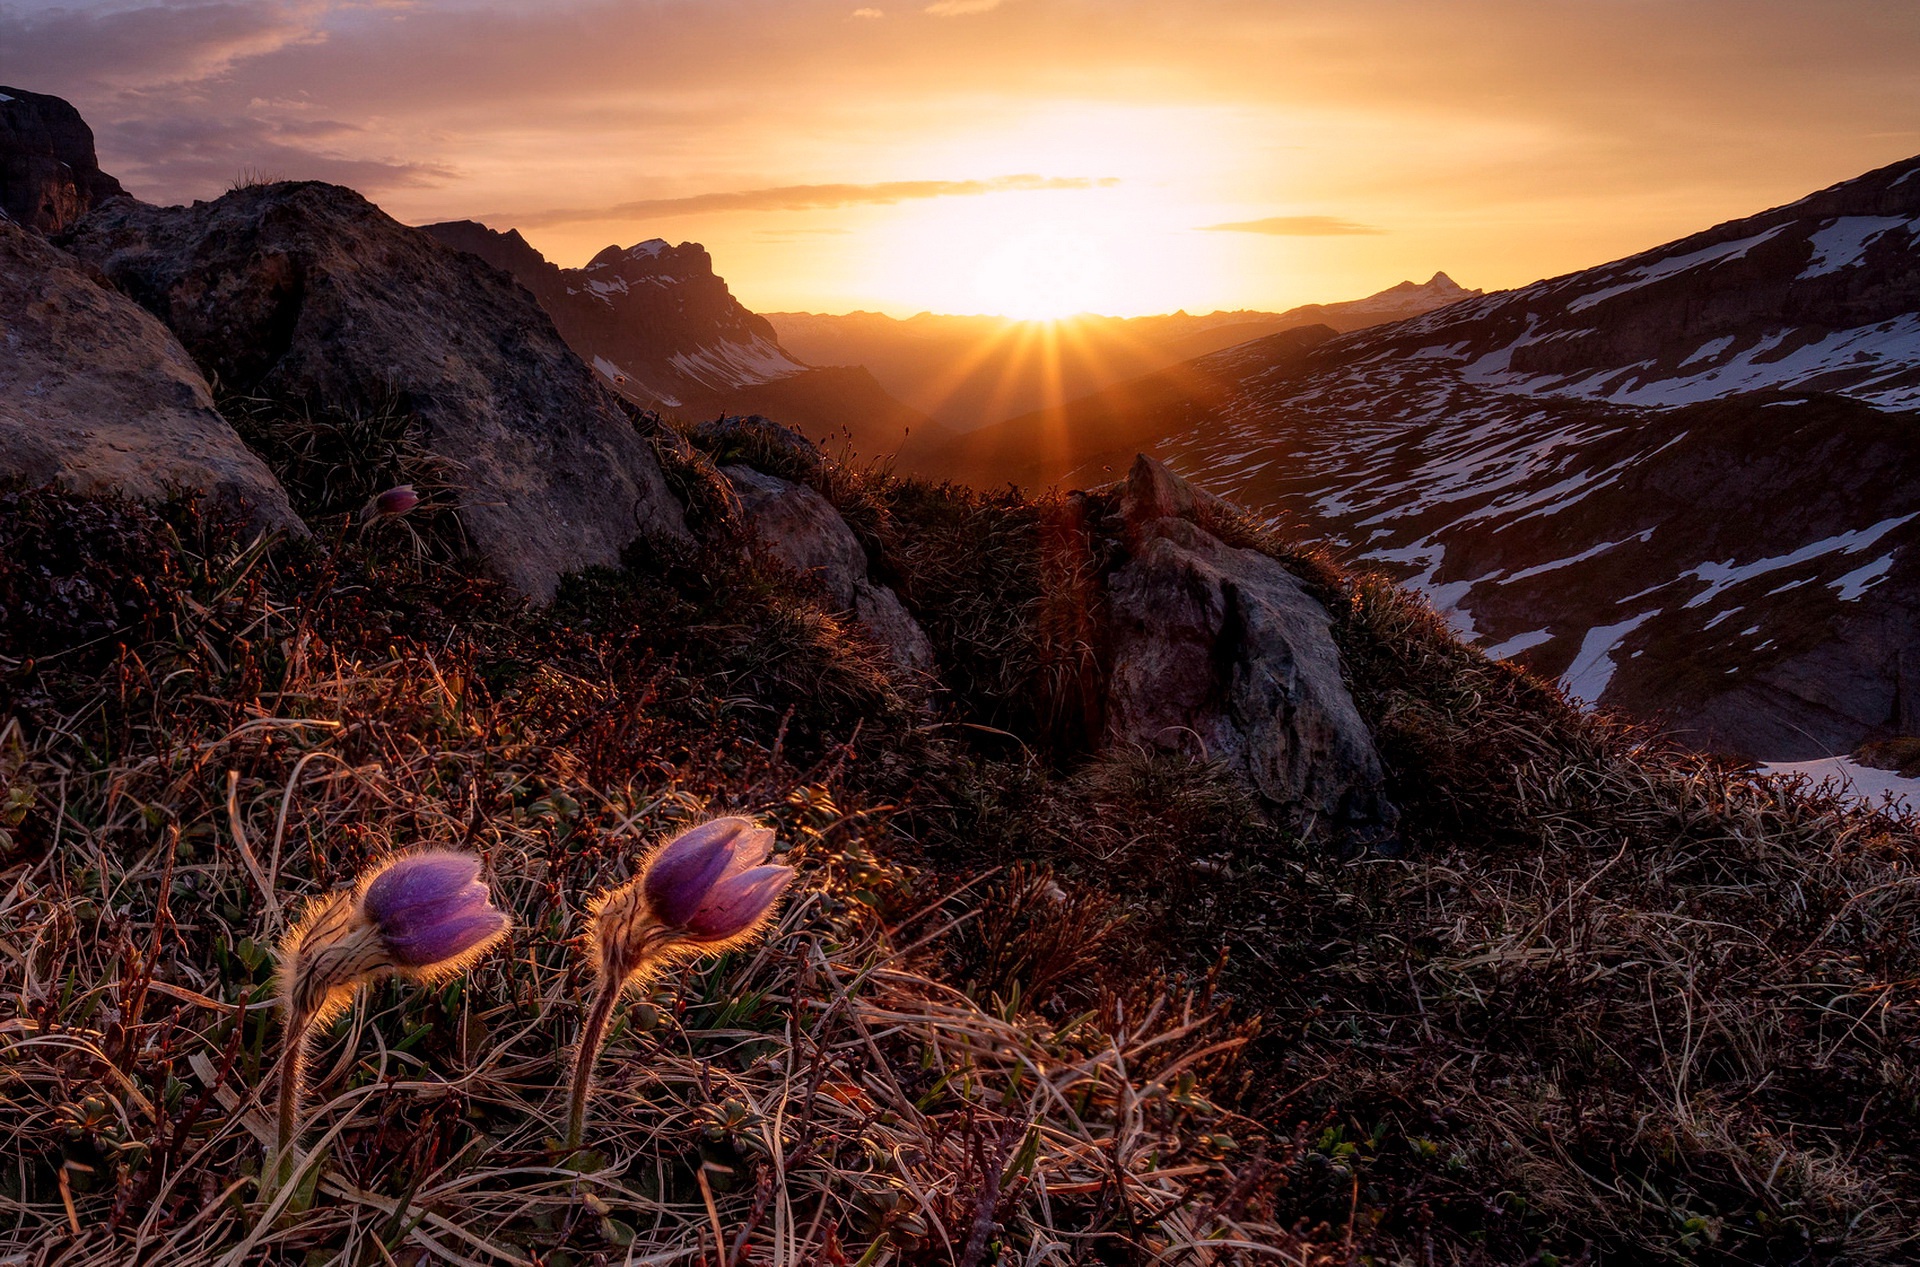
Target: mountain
[49,176]
[967,372]
[661,327]
[1683,483]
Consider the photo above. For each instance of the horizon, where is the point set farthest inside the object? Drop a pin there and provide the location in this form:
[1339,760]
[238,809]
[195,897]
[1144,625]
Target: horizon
[1025,159]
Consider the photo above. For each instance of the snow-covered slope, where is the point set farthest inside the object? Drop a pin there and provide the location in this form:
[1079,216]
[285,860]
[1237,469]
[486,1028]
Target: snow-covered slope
[1686,483]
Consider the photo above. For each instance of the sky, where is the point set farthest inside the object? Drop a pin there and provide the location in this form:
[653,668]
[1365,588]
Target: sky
[1027,157]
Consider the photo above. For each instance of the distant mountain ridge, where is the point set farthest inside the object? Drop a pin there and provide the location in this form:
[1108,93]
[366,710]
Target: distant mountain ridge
[973,371]
[1687,483]
[660,327]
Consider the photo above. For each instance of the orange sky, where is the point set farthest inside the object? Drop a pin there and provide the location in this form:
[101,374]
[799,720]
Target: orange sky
[1024,156]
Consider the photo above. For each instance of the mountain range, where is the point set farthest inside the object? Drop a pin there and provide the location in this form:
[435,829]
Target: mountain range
[1683,483]
[966,372]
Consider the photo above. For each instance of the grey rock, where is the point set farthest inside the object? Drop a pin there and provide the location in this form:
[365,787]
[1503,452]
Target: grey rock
[802,529]
[306,292]
[1224,653]
[98,396]
[49,176]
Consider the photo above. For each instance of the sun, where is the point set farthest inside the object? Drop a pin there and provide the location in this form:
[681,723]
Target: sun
[1041,275]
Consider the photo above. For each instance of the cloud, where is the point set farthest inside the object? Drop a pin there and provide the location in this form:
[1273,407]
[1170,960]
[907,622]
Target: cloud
[812,198]
[867,13]
[1297,227]
[145,46]
[961,8]
[181,156]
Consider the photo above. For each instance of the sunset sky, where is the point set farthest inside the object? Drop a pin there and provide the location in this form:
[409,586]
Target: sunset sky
[1020,156]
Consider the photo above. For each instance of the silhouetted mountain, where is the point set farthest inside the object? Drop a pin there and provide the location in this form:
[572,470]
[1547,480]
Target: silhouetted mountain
[49,175]
[967,372]
[1683,482]
[662,328]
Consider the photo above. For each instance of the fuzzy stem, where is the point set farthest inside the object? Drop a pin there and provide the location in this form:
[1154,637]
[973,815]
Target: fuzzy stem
[293,1080]
[592,1034]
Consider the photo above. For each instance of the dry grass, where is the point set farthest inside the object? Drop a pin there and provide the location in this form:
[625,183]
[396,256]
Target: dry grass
[1612,1004]
[276,720]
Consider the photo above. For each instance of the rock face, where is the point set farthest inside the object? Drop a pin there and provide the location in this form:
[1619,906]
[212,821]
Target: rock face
[97,395]
[308,292]
[49,176]
[662,329]
[1224,653]
[802,529]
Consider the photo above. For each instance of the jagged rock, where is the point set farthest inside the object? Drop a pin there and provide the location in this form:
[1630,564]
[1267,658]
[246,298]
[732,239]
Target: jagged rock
[664,331]
[1223,652]
[308,292]
[49,176]
[98,396]
[802,529]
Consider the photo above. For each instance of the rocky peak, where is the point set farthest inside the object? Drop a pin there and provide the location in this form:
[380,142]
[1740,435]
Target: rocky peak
[49,175]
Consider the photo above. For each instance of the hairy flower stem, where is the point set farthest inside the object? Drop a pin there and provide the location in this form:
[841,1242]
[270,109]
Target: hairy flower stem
[293,1083]
[592,1034]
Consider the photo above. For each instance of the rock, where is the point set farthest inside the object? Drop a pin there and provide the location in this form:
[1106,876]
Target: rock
[98,396]
[1224,653]
[49,176]
[306,292]
[758,442]
[802,529]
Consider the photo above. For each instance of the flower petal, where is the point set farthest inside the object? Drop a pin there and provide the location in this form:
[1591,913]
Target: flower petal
[441,940]
[678,877]
[738,903]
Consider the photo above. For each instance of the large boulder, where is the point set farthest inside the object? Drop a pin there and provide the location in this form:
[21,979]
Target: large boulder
[97,395]
[802,529]
[1224,653]
[308,293]
[49,176]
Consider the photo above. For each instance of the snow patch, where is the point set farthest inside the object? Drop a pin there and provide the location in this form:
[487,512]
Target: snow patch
[1841,243]
[1592,669]
[1673,266]
[1864,783]
[1722,576]
[1857,582]
[736,364]
[1518,643]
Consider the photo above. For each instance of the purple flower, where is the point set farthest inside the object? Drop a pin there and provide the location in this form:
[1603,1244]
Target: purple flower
[396,501]
[707,884]
[431,908]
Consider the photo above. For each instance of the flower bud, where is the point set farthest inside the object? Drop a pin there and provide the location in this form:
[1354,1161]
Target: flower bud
[422,915]
[393,503]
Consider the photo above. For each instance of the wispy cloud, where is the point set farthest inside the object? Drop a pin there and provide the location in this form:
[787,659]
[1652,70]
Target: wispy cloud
[1297,227]
[961,8]
[810,198]
[867,13]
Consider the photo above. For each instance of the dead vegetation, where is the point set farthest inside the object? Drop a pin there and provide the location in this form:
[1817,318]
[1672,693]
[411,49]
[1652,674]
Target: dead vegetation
[1609,1004]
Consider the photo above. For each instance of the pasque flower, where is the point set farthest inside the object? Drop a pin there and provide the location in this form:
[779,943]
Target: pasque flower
[706,890]
[392,503]
[424,916]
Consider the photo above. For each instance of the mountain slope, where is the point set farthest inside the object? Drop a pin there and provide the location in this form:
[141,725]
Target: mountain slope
[662,329]
[968,372]
[1678,482]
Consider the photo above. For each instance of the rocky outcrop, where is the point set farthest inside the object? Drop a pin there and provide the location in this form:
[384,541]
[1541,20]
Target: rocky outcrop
[1224,653]
[802,529]
[97,395]
[307,292]
[662,329]
[49,176]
